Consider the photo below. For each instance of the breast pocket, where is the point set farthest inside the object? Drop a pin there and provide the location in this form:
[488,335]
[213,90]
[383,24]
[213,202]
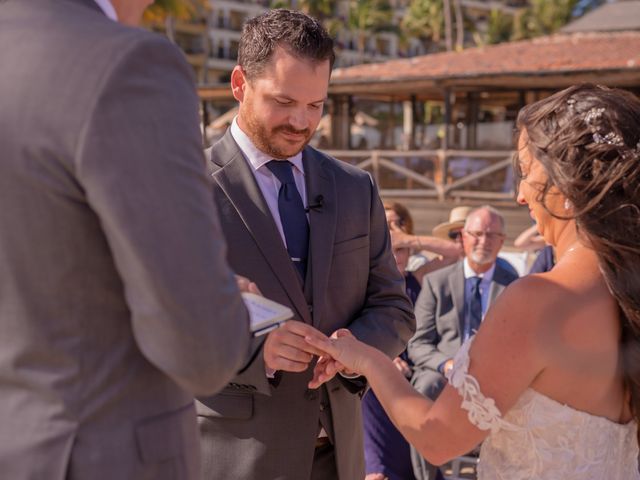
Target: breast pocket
[238,406]
[350,245]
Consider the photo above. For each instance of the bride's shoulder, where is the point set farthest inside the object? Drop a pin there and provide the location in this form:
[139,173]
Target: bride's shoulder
[531,301]
[534,291]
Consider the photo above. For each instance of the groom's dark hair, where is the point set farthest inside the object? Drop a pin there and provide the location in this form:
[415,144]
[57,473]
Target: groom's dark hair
[297,33]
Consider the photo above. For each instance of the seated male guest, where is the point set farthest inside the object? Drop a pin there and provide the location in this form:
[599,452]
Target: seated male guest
[451,305]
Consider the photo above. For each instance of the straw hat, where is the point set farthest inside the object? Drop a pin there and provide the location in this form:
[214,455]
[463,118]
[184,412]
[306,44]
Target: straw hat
[457,216]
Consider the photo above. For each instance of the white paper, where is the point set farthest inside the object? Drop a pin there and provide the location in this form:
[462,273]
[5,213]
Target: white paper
[265,315]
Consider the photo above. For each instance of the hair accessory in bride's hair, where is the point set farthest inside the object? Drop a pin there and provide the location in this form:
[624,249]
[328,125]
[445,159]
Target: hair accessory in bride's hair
[610,139]
[593,120]
[593,115]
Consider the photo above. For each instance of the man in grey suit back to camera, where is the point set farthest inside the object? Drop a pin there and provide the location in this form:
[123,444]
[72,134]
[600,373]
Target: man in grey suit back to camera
[116,303]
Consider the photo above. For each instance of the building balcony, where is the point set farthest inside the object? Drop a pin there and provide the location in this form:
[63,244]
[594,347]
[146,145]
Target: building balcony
[196,59]
[221,64]
[190,28]
[222,33]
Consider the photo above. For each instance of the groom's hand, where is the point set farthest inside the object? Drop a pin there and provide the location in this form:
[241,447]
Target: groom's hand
[286,349]
[327,367]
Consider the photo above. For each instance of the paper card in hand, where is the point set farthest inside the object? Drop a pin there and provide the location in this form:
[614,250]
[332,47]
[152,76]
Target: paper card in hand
[265,315]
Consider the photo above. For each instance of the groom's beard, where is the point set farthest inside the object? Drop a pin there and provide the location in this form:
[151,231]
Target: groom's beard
[269,140]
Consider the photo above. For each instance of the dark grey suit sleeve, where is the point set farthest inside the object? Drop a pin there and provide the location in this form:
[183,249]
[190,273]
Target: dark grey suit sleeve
[140,162]
[386,320]
[423,347]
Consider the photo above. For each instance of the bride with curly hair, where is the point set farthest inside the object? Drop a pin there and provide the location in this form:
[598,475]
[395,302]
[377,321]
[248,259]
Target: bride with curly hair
[550,385]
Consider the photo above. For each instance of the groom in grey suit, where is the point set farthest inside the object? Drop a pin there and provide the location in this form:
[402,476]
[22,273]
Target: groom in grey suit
[314,238]
[116,302]
[445,307]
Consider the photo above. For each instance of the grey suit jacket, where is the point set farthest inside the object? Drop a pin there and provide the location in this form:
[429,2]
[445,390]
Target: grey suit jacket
[439,320]
[254,429]
[116,303]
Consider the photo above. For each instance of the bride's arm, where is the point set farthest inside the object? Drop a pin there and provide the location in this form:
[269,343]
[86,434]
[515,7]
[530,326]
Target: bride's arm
[504,360]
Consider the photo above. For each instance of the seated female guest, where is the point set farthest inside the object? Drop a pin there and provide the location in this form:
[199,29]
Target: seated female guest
[429,252]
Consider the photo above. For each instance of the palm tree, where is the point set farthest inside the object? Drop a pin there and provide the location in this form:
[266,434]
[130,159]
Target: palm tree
[543,17]
[167,11]
[500,28]
[424,20]
[320,9]
[368,16]
[160,10]
[459,24]
[448,32]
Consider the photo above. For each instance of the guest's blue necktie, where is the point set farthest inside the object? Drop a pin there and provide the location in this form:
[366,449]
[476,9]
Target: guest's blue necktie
[475,308]
[292,215]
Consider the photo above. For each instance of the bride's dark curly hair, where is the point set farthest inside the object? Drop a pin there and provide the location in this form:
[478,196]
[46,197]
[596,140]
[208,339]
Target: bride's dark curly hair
[587,137]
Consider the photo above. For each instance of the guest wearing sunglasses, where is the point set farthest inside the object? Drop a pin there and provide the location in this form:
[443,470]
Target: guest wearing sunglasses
[428,253]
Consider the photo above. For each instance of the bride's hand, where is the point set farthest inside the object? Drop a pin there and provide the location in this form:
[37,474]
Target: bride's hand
[342,353]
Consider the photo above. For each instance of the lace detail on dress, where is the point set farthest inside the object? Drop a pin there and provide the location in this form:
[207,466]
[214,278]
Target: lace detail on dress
[482,411]
[540,438]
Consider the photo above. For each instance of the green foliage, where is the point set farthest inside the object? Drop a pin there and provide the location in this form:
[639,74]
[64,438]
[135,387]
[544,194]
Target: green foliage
[543,17]
[280,4]
[319,9]
[424,19]
[369,16]
[182,9]
[500,28]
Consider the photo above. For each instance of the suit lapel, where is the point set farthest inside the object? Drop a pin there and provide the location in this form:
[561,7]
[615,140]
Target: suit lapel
[322,222]
[236,180]
[456,284]
[498,284]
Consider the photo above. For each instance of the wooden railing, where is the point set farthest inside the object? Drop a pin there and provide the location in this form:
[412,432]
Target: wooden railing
[440,174]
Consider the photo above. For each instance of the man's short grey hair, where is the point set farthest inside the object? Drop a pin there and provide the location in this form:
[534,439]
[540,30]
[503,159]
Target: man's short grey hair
[492,210]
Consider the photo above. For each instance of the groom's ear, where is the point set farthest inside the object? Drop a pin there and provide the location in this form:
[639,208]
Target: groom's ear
[238,83]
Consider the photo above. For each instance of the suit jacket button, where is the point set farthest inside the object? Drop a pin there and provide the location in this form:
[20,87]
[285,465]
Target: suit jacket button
[311,394]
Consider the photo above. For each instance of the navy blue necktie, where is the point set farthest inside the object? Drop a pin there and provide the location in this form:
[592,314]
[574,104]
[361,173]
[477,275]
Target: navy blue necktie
[292,215]
[475,307]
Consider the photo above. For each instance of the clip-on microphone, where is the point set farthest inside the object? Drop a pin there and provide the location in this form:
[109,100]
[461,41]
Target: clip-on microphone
[317,205]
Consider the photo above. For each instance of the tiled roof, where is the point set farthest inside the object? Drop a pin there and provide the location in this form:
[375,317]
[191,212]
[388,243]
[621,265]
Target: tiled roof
[557,54]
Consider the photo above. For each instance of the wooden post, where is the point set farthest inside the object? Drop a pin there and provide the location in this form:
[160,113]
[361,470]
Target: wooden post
[472,120]
[340,122]
[408,125]
[415,120]
[447,118]
[350,114]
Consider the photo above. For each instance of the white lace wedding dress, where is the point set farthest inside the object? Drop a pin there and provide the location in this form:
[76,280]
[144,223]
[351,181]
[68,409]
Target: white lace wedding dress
[542,439]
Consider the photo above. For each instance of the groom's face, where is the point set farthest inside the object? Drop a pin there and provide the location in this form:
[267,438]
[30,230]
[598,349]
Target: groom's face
[282,106]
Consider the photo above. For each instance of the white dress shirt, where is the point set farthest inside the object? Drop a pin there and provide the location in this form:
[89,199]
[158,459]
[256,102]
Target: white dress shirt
[108,9]
[267,181]
[485,284]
